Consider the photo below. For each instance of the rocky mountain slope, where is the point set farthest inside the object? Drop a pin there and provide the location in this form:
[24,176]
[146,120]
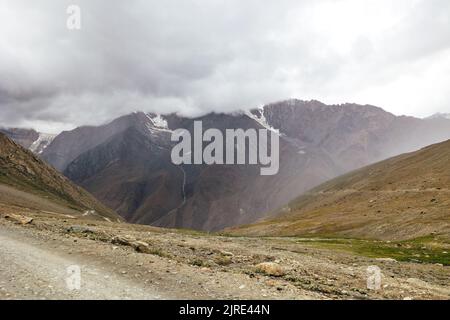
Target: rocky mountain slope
[404,197]
[26,181]
[132,172]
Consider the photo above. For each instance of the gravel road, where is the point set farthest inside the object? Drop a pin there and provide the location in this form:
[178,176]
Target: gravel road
[30,270]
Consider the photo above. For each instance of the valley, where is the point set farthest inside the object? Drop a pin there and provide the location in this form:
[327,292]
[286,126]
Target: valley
[225,154]
[127,164]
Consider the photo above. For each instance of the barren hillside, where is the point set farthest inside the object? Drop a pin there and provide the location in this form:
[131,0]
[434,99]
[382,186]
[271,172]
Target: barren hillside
[26,181]
[404,197]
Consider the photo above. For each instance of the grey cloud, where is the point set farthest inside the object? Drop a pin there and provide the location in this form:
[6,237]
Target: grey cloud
[194,56]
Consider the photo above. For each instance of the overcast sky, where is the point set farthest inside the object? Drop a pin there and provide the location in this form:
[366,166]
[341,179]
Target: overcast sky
[195,56]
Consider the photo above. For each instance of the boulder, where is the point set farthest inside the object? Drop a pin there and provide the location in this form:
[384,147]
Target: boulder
[123,240]
[386,260]
[79,229]
[20,219]
[271,269]
[141,246]
[226,253]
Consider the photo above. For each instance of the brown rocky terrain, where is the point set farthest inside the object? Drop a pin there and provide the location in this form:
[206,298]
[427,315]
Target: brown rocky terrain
[26,181]
[123,261]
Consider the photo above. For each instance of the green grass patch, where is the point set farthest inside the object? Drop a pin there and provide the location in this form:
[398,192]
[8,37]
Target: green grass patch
[422,250]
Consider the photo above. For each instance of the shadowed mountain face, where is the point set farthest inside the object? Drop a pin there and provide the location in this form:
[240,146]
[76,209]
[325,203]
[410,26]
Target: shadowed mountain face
[70,144]
[221,195]
[404,197]
[27,181]
[132,172]
[127,165]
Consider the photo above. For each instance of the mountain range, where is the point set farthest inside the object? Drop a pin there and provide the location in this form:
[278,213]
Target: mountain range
[126,163]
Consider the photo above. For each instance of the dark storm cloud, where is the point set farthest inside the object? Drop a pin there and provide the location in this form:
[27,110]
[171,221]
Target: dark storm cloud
[194,56]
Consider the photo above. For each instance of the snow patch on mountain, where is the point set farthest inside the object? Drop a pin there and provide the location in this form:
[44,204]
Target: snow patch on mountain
[157,123]
[42,142]
[261,119]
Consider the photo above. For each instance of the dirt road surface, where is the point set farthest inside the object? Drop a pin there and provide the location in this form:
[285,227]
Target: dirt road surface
[34,270]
